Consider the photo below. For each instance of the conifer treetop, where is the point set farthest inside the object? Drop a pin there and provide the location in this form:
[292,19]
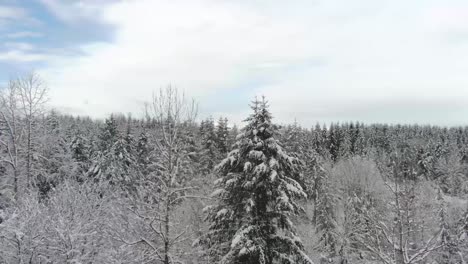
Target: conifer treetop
[257,191]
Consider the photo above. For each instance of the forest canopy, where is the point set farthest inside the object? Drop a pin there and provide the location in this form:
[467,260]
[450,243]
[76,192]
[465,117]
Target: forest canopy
[171,188]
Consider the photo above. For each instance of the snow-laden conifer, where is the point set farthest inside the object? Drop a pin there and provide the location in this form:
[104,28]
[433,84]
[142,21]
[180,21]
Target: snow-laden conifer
[222,134]
[325,217]
[257,195]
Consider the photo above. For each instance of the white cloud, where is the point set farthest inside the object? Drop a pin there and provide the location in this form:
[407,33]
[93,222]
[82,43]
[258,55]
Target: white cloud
[24,34]
[22,56]
[12,16]
[21,52]
[194,45]
[9,12]
[312,57]
[71,11]
[18,46]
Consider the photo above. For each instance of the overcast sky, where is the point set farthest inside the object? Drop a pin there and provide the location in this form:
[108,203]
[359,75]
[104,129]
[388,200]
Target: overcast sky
[315,60]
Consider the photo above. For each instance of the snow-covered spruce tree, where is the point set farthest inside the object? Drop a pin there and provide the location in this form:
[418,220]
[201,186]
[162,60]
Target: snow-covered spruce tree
[222,134]
[209,154]
[297,142]
[109,134]
[80,149]
[345,145]
[293,137]
[52,160]
[318,141]
[260,181]
[115,161]
[143,151]
[334,142]
[325,218]
[231,139]
[359,141]
[129,140]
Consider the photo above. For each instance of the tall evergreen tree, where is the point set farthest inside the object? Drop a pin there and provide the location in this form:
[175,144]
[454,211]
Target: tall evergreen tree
[232,137]
[115,159]
[129,139]
[209,152]
[109,134]
[318,143]
[52,158]
[80,151]
[345,144]
[293,137]
[259,184]
[143,153]
[222,134]
[324,214]
[334,142]
[359,144]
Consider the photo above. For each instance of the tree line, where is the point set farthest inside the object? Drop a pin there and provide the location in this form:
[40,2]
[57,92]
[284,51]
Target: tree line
[167,188]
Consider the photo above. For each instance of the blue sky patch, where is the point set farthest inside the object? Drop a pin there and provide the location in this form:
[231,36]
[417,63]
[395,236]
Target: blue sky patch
[35,33]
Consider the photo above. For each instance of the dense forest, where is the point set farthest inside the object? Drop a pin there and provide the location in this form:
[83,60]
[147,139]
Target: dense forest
[171,188]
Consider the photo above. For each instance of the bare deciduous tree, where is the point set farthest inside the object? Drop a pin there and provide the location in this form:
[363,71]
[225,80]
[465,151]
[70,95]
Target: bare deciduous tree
[174,113]
[149,216]
[11,130]
[32,93]
[396,238]
[21,103]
